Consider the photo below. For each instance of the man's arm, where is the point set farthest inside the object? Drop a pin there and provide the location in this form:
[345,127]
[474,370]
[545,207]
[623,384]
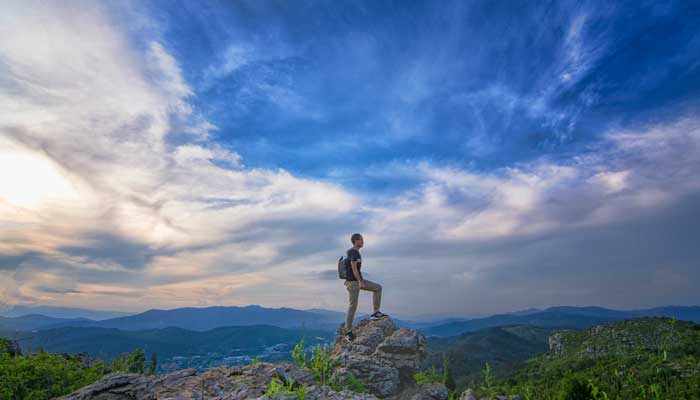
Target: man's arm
[356,272]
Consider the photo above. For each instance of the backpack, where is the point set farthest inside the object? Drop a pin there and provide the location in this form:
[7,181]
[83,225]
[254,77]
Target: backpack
[342,268]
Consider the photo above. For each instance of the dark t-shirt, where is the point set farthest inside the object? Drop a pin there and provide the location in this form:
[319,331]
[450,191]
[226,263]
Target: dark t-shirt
[353,255]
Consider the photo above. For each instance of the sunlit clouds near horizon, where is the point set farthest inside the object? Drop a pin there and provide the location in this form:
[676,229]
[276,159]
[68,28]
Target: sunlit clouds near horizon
[495,158]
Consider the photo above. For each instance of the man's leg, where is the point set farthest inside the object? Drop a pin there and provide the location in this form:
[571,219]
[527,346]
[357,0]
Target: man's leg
[376,290]
[353,293]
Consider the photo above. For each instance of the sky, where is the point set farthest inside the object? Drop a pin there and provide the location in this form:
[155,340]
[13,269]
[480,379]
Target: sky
[495,155]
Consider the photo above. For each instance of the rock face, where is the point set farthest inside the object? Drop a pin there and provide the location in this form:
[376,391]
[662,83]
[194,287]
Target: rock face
[222,383]
[382,357]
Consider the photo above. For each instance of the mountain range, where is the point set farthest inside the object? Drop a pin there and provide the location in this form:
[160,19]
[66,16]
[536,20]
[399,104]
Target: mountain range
[561,317]
[207,318]
[108,343]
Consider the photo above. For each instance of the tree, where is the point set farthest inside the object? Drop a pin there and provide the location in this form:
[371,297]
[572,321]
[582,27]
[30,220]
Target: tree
[134,362]
[448,380]
[153,367]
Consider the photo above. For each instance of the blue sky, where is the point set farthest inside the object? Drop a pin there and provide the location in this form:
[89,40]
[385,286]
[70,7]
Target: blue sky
[511,153]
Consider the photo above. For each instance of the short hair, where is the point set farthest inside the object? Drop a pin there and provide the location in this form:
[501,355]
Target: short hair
[355,236]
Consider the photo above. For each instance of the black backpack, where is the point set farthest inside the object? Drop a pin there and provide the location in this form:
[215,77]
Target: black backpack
[342,268]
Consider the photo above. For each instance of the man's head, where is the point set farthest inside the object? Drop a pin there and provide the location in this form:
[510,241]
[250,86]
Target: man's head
[357,240]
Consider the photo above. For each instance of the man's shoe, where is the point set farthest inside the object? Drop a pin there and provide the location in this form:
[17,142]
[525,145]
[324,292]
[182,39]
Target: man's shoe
[378,315]
[350,336]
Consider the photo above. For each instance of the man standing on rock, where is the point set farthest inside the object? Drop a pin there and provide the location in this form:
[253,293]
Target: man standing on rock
[354,283]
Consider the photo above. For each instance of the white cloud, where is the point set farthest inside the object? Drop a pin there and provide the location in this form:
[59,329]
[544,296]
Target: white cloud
[87,116]
[80,104]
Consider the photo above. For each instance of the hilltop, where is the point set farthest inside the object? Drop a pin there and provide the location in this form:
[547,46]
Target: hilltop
[643,358]
[379,364]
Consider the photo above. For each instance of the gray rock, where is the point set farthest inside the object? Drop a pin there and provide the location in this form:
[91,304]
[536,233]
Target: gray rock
[382,357]
[433,391]
[468,395]
[404,350]
[117,386]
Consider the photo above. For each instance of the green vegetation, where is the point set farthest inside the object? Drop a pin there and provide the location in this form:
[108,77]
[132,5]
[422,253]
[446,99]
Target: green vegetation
[321,368]
[277,388]
[434,376]
[646,359]
[45,376]
[319,365]
[505,349]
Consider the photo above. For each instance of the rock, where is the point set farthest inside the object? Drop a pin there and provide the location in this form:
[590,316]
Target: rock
[433,391]
[221,383]
[382,357]
[368,335]
[468,395]
[117,386]
[556,344]
[404,350]
[380,379]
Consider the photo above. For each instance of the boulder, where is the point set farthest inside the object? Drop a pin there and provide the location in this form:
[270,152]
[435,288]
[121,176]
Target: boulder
[432,391]
[468,395]
[382,357]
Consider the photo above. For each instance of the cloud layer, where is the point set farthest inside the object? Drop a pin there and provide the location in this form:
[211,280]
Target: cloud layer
[137,173]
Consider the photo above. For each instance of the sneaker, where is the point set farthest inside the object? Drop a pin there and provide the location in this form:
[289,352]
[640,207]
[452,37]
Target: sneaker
[350,336]
[378,315]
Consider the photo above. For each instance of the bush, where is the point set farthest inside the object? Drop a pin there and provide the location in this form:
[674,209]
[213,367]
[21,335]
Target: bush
[575,388]
[44,376]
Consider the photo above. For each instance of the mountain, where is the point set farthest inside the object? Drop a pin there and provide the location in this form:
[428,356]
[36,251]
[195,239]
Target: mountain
[641,358]
[504,348]
[108,343]
[59,312]
[33,321]
[561,317]
[202,319]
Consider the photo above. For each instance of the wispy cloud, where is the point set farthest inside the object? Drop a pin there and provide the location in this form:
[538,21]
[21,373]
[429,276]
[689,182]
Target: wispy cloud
[114,188]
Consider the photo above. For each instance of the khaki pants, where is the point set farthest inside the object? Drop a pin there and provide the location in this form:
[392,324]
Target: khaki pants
[353,294]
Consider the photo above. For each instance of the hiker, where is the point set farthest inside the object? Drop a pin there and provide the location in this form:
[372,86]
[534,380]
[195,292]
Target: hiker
[354,283]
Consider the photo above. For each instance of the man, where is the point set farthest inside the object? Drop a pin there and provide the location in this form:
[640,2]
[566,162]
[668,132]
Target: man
[354,283]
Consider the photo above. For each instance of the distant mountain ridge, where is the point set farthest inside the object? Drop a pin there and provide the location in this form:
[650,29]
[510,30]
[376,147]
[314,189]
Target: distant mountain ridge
[564,317]
[206,318]
[36,321]
[13,311]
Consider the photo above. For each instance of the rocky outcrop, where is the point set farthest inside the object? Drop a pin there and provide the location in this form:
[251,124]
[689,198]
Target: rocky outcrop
[221,383]
[382,357]
[432,391]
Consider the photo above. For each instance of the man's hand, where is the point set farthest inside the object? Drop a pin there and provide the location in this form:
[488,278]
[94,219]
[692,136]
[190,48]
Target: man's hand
[362,284]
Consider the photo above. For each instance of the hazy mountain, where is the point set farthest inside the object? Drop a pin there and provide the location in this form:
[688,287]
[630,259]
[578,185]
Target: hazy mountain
[202,319]
[31,322]
[169,342]
[59,312]
[561,317]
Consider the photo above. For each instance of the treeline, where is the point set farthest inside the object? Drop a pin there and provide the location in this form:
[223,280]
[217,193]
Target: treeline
[45,376]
